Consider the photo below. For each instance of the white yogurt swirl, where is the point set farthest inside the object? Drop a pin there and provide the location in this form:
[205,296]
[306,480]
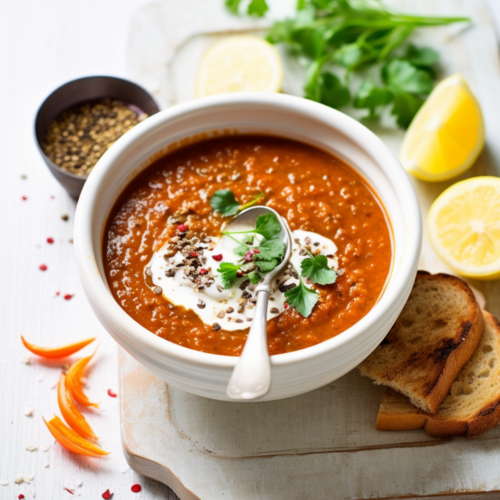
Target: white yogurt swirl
[229,309]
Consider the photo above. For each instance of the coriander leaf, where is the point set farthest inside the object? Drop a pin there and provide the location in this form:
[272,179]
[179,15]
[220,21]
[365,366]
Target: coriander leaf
[402,76]
[333,92]
[348,55]
[302,298]
[228,273]
[270,249]
[316,269]
[266,266]
[254,277]
[405,108]
[233,5]
[371,97]
[310,40]
[225,202]
[301,4]
[423,57]
[281,32]
[257,8]
[241,250]
[312,87]
[267,226]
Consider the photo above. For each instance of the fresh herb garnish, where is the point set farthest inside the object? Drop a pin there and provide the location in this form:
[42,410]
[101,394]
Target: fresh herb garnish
[228,273]
[302,298]
[225,202]
[254,277]
[270,249]
[255,7]
[351,36]
[316,269]
[267,226]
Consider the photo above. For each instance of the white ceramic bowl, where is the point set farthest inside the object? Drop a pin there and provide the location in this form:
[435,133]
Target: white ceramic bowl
[295,118]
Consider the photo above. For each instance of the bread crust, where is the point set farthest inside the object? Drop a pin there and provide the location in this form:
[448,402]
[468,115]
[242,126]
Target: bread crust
[440,361]
[396,413]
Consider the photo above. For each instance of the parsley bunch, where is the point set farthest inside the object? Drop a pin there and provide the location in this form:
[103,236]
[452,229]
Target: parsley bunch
[341,37]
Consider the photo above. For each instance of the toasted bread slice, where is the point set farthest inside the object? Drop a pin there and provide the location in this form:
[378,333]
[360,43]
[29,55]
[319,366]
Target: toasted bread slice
[473,404]
[435,334]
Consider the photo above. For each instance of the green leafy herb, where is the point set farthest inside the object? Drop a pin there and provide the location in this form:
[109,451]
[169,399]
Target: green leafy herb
[225,202]
[255,7]
[228,273]
[270,249]
[316,269]
[233,5]
[302,298]
[405,108]
[267,226]
[402,76]
[354,36]
[266,266]
[254,277]
[371,97]
[333,92]
[423,57]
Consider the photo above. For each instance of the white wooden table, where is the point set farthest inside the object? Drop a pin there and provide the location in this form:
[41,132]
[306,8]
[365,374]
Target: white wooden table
[43,44]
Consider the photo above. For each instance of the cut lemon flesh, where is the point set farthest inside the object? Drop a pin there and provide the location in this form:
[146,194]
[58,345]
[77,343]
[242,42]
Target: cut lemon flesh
[447,134]
[464,227]
[239,64]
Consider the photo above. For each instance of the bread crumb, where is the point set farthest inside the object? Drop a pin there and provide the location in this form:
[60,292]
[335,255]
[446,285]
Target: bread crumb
[25,359]
[32,447]
[78,482]
[18,479]
[27,478]
[29,411]
[4,482]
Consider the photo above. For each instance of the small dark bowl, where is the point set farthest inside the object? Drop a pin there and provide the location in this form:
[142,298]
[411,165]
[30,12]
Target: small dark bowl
[76,92]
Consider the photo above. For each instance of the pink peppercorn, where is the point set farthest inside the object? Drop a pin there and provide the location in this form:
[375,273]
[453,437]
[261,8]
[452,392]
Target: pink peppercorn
[182,228]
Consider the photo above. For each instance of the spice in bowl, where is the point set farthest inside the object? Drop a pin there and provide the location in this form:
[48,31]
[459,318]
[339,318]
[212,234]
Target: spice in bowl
[79,136]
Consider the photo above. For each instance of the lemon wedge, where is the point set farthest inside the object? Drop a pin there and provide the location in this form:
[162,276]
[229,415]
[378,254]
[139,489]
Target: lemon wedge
[464,227]
[239,64]
[447,134]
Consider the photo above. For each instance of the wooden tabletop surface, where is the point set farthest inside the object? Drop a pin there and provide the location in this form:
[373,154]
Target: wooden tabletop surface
[42,45]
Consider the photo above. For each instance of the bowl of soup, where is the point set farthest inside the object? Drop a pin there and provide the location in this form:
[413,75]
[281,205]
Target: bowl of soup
[149,247]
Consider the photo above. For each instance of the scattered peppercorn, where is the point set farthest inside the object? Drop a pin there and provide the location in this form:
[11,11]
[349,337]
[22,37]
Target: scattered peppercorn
[111,393]
[136,488]
[65,217]
[50,241]
[79,136]
[68,296]
[42,267]
[24,198]
[182,228]
[217,258]
[107,495]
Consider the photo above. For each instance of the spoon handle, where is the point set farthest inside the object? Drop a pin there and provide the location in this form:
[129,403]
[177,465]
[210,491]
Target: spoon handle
[251,377]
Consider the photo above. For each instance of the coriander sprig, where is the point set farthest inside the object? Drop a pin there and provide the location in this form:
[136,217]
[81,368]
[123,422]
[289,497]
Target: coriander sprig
[341,37]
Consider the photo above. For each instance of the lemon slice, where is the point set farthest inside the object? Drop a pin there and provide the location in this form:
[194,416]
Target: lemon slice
[447,134]
[464,227]
[239,64]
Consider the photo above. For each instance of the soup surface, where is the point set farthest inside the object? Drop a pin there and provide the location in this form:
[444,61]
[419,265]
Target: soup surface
[313,190]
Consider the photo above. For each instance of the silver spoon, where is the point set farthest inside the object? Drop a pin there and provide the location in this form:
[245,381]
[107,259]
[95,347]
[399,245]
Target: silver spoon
[251,377]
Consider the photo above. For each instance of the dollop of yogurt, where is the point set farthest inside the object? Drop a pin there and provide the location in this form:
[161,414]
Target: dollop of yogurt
[199,287]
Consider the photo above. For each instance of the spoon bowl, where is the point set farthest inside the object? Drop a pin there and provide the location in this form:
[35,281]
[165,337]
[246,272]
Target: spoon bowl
[251,377]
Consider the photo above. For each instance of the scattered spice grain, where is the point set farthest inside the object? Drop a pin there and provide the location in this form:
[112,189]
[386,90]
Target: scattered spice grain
[42,267]
[136,488]
[111,393]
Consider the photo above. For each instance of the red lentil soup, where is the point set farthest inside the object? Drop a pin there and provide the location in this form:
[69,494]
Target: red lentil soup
[313,190]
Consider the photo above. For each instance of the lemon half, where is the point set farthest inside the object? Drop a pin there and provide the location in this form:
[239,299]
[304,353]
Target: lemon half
[447,134]
[464,227]
[239,64]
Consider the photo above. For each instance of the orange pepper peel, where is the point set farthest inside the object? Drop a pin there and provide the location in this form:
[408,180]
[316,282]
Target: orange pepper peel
[70,440]
[57,352]
[74,383]
[70,412]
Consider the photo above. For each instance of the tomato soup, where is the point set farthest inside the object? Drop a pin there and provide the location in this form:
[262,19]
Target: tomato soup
[314,191]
